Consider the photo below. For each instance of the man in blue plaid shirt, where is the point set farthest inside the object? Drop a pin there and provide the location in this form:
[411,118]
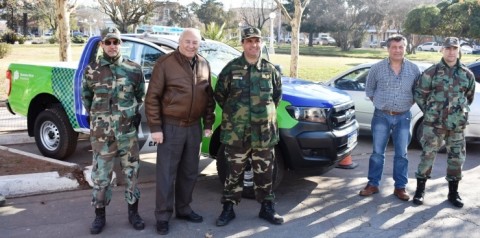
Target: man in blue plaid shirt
[389,86]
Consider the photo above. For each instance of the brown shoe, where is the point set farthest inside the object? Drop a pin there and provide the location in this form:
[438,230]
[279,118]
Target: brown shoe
[369,190]
[401,194]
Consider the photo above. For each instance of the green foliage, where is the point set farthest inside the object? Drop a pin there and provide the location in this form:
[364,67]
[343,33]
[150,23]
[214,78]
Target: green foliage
[215,32]
[422,20]
[209,11]
[53,40]
[9,37]
[4,50]
[78,40]
[448,18]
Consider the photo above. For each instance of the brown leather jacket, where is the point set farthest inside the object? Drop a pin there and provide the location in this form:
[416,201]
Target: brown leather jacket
[178,95]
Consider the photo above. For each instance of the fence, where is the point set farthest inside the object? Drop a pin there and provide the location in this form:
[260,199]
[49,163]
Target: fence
[10,122]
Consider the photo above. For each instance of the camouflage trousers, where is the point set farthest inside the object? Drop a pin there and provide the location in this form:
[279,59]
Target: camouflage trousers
[105,151]
[431,141]
[262,160]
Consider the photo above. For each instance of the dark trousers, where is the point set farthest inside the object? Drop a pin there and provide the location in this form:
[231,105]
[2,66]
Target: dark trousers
[262,164]
[177,170]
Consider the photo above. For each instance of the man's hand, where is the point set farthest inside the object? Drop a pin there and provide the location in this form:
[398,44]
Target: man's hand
[207,132]
[157,137]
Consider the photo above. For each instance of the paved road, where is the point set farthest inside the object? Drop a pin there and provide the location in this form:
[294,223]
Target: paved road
[314,206]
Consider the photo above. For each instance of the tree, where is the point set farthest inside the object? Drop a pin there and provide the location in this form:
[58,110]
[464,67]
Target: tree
[256,13]
[63,9]
[295,22]
[209,11]
[459,18]
[125,13]
[422,20]
[353,20]
[16,13]
[182,17]
[448,18]
[45,15]
[317,17]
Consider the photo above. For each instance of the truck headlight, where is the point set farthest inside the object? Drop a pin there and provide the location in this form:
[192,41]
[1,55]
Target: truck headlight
[309,114]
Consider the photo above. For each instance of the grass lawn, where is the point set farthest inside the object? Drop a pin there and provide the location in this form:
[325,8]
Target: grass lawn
[28,53]
[317,63]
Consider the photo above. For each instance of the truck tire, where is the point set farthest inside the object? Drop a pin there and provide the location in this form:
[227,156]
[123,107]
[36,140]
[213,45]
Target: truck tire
[248,191]
[54,135]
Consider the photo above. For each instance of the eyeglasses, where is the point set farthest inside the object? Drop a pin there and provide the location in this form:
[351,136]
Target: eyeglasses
[114,42]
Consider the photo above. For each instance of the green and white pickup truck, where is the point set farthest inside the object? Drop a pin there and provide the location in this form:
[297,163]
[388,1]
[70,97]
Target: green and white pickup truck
[317,123]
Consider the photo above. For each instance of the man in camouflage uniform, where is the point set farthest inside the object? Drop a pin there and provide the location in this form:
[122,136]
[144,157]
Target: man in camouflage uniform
[113,88]
[249,90]
[444,94]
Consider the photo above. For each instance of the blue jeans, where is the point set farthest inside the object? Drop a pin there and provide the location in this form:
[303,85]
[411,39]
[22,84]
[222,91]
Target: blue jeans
[398,126]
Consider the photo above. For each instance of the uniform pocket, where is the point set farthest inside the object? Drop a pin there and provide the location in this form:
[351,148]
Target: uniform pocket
[126,95]
[100,103]
[266,90]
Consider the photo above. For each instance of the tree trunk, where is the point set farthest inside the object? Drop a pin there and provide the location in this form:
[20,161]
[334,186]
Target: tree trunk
[295,23]
[295,50]
[63,19]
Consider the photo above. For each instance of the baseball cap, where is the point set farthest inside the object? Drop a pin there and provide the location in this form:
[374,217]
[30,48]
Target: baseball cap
[451,41]
[110,33]
[251,32]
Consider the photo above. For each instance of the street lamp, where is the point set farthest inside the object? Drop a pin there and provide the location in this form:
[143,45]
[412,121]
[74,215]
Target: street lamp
[272,16]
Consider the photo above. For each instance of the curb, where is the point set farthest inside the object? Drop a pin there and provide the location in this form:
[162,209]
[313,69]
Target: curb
[36,183]
[15,138]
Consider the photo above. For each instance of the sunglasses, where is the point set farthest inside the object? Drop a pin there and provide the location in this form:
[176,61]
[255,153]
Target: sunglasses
[114,42]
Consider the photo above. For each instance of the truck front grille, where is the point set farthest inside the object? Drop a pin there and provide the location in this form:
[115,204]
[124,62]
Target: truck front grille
[343,115]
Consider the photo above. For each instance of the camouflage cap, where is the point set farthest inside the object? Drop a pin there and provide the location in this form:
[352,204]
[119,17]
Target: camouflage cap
[251,32]
[110,33]
[451,41]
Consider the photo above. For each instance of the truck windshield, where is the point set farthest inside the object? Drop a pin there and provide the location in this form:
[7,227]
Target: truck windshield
[218,54]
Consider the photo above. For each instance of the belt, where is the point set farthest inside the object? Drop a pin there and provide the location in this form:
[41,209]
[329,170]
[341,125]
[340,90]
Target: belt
[392,113]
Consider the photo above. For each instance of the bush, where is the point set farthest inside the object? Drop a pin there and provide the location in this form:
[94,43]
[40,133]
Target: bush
[78,39]
[52,40]
[4,50]
[9,37]
[21,39]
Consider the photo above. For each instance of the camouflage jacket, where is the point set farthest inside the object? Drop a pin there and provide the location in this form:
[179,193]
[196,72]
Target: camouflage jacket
[444,95]
[112,94]
[249,95]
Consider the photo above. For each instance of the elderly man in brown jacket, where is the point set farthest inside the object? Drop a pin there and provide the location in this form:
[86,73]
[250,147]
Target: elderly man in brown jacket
[179,96]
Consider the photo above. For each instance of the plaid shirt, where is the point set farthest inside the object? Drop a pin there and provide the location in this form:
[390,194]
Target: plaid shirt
[390,91]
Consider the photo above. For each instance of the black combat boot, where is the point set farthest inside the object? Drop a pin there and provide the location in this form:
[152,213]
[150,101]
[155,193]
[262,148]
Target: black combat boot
[453,196]
[420,193]
[99,222]
[267,212]
[227,214]
[134,218]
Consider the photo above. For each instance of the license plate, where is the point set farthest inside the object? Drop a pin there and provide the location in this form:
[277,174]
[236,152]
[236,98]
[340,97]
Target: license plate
[352,138]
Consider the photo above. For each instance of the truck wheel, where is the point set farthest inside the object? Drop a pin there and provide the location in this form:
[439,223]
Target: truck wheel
[248,191]
[54,135]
